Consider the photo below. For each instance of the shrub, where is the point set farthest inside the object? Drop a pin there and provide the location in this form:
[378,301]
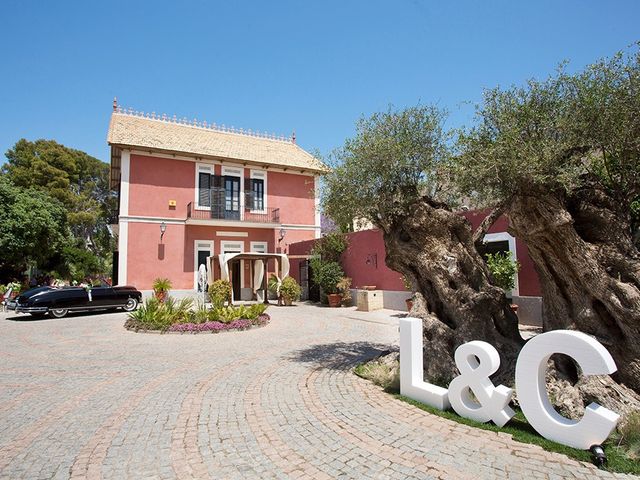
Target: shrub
[179,311]
[330,247]
[220,292]
[290,290]
[179,316]
[629,435]
[256,310]
[156,315]
[151,316]
[326,274]
[503,269]
[201,313]
[383,372]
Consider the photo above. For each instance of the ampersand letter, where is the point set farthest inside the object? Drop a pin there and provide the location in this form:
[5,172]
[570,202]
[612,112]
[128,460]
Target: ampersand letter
[477,361]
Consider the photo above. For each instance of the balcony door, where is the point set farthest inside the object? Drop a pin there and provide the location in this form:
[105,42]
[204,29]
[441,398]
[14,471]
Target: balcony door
[232,197]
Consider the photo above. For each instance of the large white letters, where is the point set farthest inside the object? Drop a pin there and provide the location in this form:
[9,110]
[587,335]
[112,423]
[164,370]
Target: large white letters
[478,360]
[412,382]
[593,359]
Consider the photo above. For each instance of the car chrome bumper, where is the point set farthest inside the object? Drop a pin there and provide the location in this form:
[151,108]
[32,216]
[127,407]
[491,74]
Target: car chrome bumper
[23,309]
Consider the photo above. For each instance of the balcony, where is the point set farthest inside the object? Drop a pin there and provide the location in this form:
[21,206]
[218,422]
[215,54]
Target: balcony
[216,213]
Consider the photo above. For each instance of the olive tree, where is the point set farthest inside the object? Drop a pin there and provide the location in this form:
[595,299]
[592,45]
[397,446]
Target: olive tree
[394,173]
[561,158]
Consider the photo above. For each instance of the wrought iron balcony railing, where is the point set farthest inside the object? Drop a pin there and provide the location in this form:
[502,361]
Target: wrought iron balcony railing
[218,212]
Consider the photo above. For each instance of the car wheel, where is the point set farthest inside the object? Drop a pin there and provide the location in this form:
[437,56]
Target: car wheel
[131,305]
[58,312]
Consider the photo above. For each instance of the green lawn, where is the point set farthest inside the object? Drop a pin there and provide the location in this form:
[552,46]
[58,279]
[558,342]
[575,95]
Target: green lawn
[521,431]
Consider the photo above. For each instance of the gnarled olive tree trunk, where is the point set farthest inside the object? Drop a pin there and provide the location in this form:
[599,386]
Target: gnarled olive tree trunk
[589,269]
[434,248]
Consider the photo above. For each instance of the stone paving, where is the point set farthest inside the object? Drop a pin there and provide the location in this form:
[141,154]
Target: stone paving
[81,397]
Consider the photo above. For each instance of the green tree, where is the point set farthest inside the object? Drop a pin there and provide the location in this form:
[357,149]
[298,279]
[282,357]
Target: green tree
[33,228]
[394,173]
[561,157]
[79,181]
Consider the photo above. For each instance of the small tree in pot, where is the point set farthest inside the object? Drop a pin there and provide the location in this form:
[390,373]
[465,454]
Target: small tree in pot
[328,275]
[161,287]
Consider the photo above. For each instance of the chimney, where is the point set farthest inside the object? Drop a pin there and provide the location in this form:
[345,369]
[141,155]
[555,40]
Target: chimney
[293,137]
[115,103]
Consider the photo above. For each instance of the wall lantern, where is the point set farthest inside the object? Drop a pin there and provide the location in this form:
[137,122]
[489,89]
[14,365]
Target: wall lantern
[163,228]
[283,232]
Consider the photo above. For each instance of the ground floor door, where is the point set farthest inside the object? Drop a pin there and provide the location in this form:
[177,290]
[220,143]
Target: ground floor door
[235,271]
[314,289]
[304,280]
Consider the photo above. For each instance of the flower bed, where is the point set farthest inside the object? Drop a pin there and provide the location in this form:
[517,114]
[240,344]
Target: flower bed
[179,317]
[215,327]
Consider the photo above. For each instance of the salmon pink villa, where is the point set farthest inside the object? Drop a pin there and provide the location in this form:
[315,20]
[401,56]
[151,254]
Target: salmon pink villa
[189,191]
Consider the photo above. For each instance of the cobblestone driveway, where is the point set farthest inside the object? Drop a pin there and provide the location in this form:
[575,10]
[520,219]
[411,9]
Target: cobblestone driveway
[83,398]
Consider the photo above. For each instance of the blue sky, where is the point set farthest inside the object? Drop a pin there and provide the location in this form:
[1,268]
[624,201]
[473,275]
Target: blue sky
[279,66]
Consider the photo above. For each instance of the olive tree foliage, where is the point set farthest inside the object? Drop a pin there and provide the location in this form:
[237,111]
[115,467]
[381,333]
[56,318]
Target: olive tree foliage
[561,157]
[394,159]
[394,173]
[563,133]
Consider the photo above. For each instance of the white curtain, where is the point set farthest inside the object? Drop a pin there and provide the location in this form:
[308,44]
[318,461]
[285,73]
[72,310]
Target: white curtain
[258,274]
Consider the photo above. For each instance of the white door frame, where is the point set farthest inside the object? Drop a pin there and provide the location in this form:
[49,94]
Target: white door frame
[196,249]
[506,237]
[231,245]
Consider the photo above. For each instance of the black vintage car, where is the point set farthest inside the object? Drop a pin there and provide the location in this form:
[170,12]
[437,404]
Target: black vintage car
[58,301]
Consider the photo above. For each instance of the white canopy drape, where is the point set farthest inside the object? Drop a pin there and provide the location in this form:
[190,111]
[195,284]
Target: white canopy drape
[282,266]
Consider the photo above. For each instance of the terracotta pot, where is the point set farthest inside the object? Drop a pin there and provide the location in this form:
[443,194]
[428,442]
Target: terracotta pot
[161,296]
[409,304]
[514,307]
[287,301]
[334,299]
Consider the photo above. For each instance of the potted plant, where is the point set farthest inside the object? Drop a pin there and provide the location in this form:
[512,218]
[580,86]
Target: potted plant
[220,292]
[344,289]
[328,275]
[503,270]
[290,291]
[161,287]
[409,287]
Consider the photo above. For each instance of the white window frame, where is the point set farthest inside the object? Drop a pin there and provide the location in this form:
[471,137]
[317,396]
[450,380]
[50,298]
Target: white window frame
[231,245]
[236,171]
[260,175]
[197,244]
[259,247]
[202,168]
[506,237]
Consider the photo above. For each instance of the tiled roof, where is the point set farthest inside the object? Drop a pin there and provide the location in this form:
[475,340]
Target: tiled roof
[129,129]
